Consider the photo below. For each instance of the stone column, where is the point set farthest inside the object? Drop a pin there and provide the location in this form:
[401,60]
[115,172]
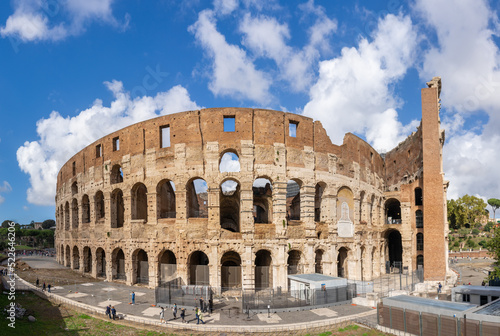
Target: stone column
[109,265]
[307,193]
[152,207]
[153,270]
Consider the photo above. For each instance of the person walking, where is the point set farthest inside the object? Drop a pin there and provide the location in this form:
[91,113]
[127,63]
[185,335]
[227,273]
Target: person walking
[43,288]
[211,305]
[183,315]
[197,312]
[37,282]
[108,311]
[113,312]
[439,287]
[48,287]
[201,317]
[133,297]
[174,311]
[202,303]
[162,315]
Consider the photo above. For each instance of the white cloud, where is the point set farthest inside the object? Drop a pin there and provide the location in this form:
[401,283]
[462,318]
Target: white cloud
[354,91]
[51,21]
[233,73]
[225,6]
[61,138]
[266,37]
[467,58]
[4,188]
[229,163]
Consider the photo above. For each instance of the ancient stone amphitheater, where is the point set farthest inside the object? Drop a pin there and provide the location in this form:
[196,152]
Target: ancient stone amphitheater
[241,198]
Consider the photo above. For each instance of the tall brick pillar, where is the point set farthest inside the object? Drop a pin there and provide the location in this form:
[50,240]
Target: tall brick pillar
[434,199]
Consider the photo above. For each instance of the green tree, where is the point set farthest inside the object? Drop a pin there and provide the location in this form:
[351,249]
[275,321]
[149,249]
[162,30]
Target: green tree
[493,246]
[5,223]
[488,226]
[455,214]
[471,209]
[475,232]
[48,223]
[494,204]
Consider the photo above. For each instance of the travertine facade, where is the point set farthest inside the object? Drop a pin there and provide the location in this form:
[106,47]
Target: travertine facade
[149,203]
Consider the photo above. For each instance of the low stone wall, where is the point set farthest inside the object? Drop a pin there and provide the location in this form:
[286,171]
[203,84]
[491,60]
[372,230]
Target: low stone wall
[471,254]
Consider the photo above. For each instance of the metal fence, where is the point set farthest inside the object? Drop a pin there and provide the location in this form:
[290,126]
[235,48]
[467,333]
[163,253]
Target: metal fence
[421,323]
[388,283]
[278,299]
[173,291]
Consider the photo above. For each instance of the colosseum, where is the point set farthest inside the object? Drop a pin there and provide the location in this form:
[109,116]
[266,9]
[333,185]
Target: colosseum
[242,198]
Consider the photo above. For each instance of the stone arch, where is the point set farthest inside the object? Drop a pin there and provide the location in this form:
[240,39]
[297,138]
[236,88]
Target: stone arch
[118,264]
[165,199]
[85,209]
[76,258]
[293,199]
[318,201]
[419,219]
[74,188]
[74,214]
[393,211]
[140,202]
[140,267]
[68,256]
[230,270]
[318,261]
[394,248]
[294,262]
[99,205]
[229,161]
[229,205]
[167,266]
[117,209]
[342,262]
[116,174]
[66,216]
[262,200]
[197,198]
[345,212]
[199,273]
[87,260]
[100,262]
[263,270]
[420,261]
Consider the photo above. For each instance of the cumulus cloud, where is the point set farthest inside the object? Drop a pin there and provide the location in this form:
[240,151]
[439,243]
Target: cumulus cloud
[62,137]
[266,37]
[4,188]
[466,56]
[229,163]
[225,7]
[354,92]
[233,72]
[51,21]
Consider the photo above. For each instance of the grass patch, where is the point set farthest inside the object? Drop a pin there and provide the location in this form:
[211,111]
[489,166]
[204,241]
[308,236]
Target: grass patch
[349,328]
[24,247]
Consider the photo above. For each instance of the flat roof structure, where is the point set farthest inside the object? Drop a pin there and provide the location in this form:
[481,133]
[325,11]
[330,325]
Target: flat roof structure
[433,306]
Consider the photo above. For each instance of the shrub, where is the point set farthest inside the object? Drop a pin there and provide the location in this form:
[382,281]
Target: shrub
[475,232]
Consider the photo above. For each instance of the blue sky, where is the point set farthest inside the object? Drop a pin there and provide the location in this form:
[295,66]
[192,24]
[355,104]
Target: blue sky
[72,71]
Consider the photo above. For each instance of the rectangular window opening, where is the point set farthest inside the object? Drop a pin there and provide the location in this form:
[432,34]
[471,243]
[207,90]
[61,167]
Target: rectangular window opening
[165,136]
[98,151]
[74,168]
[116,144]
[229,123]
[292,128]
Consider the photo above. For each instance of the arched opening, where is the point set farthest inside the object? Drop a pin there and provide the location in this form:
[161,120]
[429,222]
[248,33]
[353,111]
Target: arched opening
[229,204]
[197,198]
[167,266]
[74,213]
[68,256]
[76,258]
[262,201]
[140,202]
[394,249]
[318,262]
[419,200]
[229,162]
[342,269]
[99,205]
[230,271]
[318,199]
[263,270]
[100,257]
[74,189]
[293,261]
[393,211]
[85,209]
[87,260]
[140,266]
[66,216]
[345,212]
[116,174]
[118,264]
[420,261]
[117,209]
[419,219]
[165,192]
[420,241]
[198,269]
[292,200]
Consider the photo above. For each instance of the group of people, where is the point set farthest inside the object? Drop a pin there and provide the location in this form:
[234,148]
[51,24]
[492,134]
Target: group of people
[44,286]
[198,312]
[174,313]
[111,312]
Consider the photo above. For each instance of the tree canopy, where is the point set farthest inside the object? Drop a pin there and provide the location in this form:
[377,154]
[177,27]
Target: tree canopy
[48,223]
[494,204]
[465,210]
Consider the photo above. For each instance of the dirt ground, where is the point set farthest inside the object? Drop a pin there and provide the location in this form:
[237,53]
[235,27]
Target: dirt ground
[472,271]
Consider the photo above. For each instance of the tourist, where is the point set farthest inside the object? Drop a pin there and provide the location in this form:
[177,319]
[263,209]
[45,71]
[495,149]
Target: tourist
[133,297]
[174,311]
[197,312]
[183,315]
[202,306]
[211,305]
[37,282]
[113,312]
[43,288]
[439,287]
[108,311]
[162,315]
[201,317]
[48,287]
